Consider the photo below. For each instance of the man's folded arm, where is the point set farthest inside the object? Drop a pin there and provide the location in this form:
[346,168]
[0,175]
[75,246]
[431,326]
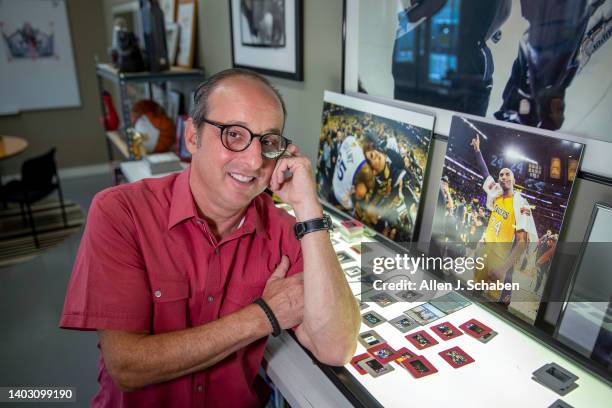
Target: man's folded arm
[331,314]
[137,359]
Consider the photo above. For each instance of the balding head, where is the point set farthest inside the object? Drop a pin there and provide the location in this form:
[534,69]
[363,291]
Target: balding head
[201,101]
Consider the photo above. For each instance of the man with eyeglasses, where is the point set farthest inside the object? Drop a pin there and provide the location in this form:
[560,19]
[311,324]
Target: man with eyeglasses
[185,276]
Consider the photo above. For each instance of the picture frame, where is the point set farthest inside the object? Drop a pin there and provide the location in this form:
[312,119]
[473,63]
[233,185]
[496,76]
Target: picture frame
[268,37]
[186,17]
[169,9]
[581,325]
[488,150]
[172,41]
[400,137]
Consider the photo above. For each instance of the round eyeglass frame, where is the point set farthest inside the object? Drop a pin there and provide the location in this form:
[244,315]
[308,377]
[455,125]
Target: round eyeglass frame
[223,126]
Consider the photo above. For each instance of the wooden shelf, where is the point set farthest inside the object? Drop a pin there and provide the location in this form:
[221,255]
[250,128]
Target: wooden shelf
[118,141]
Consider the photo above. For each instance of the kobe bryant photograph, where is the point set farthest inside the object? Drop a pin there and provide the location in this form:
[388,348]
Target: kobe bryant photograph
[503,196]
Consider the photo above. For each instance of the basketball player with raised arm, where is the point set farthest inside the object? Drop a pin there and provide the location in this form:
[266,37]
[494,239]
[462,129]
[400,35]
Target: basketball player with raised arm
[510,228]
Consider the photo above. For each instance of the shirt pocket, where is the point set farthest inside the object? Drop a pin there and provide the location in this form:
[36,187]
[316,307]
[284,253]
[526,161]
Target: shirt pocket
[170,306]
[238,296]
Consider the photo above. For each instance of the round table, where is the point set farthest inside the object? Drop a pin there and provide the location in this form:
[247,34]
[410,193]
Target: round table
[11,146]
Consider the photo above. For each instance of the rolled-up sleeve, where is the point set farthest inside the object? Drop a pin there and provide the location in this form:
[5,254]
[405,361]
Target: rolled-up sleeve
[109,287]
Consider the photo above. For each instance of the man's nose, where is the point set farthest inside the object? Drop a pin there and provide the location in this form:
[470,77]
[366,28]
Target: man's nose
[253,155]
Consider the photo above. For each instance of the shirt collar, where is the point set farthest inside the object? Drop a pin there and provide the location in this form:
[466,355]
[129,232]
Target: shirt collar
[182,207]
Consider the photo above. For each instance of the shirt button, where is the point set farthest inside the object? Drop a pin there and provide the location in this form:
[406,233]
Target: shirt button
[200,388]
[217,251]
[157,293]
[210,299]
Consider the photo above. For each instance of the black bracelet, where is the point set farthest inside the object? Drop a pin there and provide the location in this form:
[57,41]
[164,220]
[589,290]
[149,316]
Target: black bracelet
[276,329]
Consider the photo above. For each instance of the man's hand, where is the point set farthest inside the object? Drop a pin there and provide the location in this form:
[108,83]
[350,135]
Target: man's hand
[285,296]
[298,190]
[475,143]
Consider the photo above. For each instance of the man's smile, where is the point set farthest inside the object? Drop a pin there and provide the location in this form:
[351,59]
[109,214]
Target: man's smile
[242,178]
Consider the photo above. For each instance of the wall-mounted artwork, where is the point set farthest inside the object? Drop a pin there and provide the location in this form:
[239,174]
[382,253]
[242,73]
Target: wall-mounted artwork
[267,36]
[538,63]
[36,46]
[371,162]
[503,197]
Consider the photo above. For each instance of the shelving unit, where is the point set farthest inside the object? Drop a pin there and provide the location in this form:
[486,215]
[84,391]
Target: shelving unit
[120,139]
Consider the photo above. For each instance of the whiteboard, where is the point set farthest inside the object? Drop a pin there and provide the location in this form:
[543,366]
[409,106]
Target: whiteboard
[37,68]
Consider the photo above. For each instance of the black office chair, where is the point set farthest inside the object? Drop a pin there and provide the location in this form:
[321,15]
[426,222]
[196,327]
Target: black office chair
[38,179]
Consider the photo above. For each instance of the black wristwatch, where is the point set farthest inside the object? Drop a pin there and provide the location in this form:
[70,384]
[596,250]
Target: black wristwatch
[316,224]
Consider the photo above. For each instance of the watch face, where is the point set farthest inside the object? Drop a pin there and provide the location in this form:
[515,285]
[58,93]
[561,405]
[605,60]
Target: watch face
[302,228]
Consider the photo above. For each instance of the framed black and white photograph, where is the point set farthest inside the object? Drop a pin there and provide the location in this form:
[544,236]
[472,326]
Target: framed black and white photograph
[267,36]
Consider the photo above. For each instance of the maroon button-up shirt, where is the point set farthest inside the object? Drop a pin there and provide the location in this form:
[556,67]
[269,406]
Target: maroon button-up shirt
[148,263]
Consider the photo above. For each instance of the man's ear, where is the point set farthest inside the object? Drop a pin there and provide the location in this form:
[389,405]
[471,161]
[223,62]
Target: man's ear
[191,136]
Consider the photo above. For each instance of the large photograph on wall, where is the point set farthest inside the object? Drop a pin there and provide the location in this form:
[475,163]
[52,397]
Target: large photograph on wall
[503,197]
[371,162]
[538,63]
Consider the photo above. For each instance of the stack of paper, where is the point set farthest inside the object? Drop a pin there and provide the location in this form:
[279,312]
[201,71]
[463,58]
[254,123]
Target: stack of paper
[163,163]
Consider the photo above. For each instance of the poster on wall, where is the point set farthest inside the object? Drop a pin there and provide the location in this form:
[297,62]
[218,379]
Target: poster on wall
[267,36]
[371,162]
[538,63]
[36,46]
[503,197]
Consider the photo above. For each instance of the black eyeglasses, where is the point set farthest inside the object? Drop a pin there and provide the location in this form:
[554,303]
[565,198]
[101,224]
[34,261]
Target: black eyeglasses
[238,138]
